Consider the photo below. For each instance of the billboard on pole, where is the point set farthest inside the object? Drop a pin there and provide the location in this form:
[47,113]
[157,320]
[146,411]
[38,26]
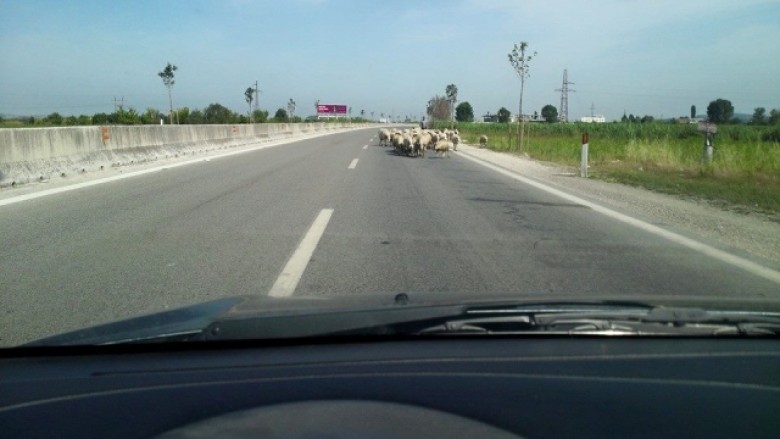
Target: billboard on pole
[331,109]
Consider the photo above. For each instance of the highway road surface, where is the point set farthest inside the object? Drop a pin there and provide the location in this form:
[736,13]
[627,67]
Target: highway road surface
[336,215]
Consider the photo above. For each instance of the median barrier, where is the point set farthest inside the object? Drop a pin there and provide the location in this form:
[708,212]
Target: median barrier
[35,154]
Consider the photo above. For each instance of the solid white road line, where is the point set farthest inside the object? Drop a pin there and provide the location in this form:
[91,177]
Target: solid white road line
[749,266]
[352,164]
[291,274]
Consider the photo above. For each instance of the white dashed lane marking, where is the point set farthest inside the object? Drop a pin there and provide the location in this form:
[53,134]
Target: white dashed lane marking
[291,274]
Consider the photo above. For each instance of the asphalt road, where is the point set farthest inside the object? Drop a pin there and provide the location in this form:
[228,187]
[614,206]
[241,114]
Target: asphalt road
[230,226]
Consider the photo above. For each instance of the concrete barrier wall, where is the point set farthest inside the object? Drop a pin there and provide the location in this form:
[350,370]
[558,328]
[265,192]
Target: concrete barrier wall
[28,154]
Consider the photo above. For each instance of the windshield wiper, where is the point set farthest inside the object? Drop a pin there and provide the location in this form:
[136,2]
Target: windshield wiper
[655,321]
[254,319]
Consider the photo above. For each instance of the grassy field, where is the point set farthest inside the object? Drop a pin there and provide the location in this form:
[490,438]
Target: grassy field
[744,174]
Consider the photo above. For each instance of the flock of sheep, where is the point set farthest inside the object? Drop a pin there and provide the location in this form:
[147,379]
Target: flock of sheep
[414,142]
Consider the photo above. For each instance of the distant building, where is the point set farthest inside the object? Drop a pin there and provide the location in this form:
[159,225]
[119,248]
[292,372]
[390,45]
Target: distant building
[489,117]
[593,119]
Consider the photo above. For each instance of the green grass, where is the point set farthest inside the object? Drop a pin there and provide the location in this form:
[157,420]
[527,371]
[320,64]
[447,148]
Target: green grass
[744,175]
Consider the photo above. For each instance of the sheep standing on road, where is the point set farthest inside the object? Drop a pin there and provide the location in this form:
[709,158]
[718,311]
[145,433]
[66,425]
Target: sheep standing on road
[424,142]
[455,139]
[397,140]
[384,137]
[442,146]
[435,136]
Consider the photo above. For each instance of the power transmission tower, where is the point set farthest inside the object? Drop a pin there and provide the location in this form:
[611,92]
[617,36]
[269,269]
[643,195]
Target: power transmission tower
[563,116]
[120,106]
[592,109]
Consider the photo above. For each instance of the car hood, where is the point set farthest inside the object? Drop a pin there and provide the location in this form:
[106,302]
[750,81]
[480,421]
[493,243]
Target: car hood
[191,322]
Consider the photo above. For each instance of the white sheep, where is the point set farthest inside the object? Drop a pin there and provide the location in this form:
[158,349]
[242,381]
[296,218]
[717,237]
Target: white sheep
[423,143]
[397,140]
[455,139]
[384,136]
[442,146]
[435,137]
[408,144]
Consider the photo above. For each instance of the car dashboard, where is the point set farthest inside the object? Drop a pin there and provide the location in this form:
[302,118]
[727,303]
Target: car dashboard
[453,386]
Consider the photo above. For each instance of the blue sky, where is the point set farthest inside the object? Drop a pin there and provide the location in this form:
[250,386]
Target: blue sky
[389,56]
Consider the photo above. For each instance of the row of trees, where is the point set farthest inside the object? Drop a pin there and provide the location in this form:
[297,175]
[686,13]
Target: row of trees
[213,114]
[722,111]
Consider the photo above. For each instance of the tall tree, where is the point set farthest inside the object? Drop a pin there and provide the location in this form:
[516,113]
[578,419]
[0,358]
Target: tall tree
[291,109]
[249,96]
[549,113]
[438,108]
[503,115]
[167,76]
[693,112]
[464,112]
[451,91]
[520,57]
[720,111]
[759,116]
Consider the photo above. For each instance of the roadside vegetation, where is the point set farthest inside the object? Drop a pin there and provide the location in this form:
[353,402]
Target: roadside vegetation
[213,114]
[663,156]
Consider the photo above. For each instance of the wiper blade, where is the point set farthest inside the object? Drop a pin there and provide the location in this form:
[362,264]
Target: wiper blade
[640,320]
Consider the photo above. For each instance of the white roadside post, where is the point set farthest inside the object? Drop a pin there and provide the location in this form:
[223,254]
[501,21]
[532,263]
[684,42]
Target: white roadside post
[709,129]
[584,156]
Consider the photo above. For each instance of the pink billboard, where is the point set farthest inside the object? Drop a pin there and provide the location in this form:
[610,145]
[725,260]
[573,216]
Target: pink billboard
[331,109]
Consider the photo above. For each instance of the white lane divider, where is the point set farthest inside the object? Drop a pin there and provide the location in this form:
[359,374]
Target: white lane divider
[291,274]
[365,146]
[749,266]
[353,164]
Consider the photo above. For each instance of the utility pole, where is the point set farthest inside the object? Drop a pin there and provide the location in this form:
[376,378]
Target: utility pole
[563,116]
[257,95]
[592,110]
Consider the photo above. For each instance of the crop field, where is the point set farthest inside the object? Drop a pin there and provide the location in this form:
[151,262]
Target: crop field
[744,174]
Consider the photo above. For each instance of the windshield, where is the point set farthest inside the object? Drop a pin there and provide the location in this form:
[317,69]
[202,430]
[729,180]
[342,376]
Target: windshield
[320,156]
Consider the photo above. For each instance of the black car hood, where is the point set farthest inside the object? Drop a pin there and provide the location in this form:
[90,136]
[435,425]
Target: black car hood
[193,322]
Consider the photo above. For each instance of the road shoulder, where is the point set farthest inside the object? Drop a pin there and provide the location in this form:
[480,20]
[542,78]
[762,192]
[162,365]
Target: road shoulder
[752,235]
